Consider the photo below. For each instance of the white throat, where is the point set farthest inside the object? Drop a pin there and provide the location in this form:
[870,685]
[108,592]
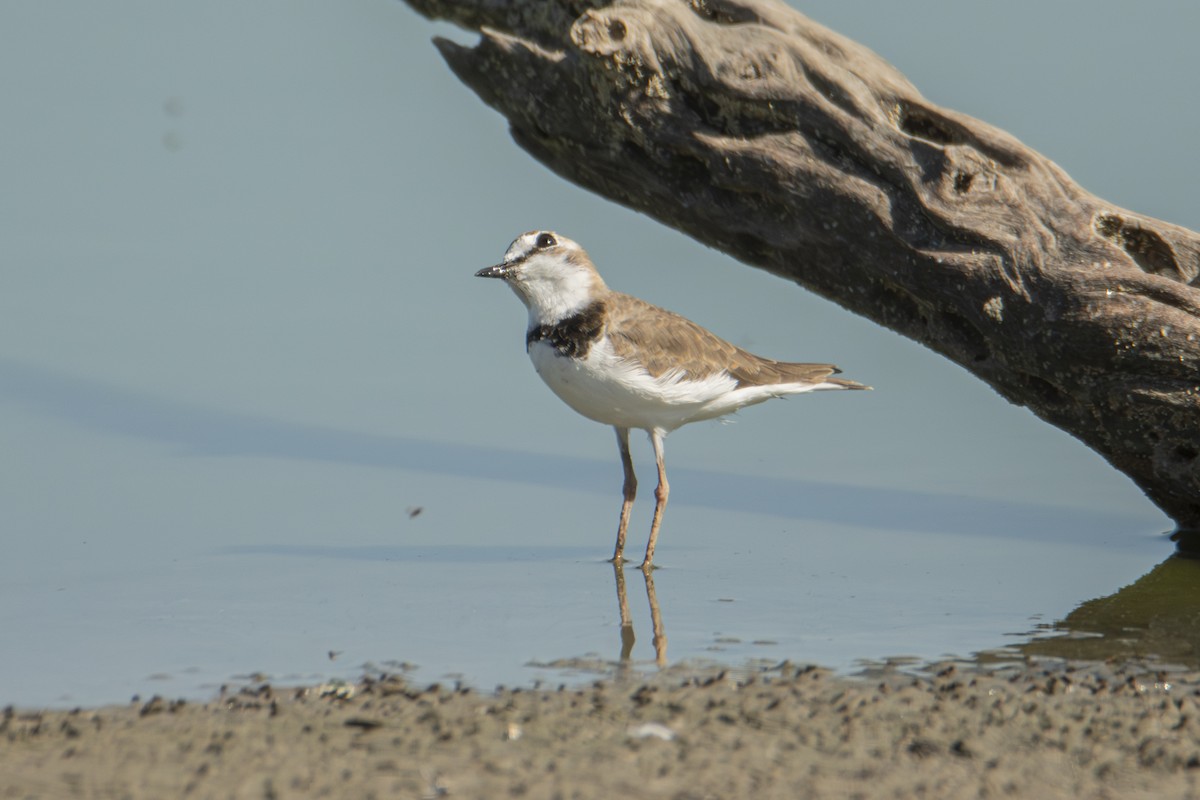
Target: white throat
[550,302]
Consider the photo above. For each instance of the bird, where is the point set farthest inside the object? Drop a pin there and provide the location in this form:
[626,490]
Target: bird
[624,362]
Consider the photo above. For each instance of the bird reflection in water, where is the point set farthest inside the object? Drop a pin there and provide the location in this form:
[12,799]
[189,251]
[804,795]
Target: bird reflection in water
[627,635]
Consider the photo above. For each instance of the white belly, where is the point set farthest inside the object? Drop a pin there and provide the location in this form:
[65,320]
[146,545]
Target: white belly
[615,392]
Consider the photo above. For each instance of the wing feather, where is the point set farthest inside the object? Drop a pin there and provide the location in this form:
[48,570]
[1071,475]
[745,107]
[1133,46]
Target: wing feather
[663,341]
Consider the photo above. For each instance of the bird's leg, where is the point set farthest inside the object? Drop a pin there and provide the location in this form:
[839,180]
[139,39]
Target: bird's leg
[628,491]
[661,492]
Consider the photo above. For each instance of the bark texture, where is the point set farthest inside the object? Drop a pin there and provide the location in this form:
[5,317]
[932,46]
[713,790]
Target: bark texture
[765,135]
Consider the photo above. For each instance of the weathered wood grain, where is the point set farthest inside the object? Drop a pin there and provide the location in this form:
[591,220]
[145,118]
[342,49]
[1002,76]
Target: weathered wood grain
[794,149]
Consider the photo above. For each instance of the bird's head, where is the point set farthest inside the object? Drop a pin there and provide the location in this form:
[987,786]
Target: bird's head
[551,274]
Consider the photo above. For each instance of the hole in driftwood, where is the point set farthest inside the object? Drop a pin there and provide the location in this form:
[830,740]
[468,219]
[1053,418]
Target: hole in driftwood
[706,109]
[924,124]
[721,13]
[616,30]
[963,181]
[830,90]
[752,249]
[1148,250]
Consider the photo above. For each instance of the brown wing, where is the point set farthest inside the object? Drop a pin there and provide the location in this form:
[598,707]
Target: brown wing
[662,340]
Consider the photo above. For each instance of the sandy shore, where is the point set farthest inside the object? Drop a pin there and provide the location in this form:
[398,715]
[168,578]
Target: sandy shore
[1089,731]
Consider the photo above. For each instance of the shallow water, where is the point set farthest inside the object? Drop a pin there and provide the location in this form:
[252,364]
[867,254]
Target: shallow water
[169,549]
[256,411]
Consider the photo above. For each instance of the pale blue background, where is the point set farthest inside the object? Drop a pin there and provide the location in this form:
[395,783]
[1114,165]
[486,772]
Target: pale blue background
[239,340]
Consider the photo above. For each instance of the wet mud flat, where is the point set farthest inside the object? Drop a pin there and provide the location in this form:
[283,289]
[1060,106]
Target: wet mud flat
[1042,730]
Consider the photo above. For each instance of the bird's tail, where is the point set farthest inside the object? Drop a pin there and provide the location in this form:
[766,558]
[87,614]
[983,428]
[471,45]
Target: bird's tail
[820,374]
[843,383]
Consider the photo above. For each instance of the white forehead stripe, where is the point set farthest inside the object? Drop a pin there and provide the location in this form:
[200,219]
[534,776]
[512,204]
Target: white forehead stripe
[522,246]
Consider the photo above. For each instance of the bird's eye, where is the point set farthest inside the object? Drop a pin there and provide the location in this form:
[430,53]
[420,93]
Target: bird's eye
[545,240]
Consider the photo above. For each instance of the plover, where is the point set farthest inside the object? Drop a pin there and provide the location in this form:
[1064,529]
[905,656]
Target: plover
[629,364]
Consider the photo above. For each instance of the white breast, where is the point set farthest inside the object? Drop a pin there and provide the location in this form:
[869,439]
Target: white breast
[613,391]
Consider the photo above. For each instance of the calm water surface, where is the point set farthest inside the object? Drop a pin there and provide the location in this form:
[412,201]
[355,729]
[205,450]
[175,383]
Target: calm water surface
[258,418]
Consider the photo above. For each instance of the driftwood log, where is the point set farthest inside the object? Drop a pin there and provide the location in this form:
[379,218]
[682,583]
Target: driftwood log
[765,135]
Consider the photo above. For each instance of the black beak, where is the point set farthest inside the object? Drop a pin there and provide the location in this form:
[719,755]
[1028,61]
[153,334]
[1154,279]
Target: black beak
[498,271]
